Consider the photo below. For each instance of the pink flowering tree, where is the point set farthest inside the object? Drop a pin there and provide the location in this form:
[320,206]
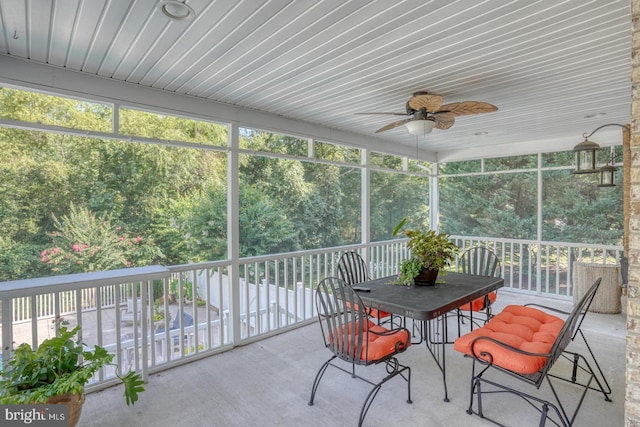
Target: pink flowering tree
[84,242]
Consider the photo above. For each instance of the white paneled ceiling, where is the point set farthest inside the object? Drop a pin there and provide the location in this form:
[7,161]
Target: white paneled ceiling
[555,69]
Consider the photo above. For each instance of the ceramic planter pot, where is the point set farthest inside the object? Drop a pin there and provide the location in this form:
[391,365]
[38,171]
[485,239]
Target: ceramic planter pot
[426,277]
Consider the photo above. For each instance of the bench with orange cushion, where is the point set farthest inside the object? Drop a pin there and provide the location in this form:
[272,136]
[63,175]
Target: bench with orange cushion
[523,328]
[524,343]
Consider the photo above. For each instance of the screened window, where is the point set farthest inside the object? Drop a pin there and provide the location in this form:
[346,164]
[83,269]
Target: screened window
[575,209]
[499,205]
[72,113]
[172,128]
[386,161]
[394,197]
[288,205]
[75,204]
[509,163]
[336,153]
[268,142]
[469,166]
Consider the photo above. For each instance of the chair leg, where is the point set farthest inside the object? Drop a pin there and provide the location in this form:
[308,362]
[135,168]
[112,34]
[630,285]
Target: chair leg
[604,388]
[541,405]
[585,367]
[393,368]
[478,387]
[316,382]
[367,403]
[544,415]
[472,390]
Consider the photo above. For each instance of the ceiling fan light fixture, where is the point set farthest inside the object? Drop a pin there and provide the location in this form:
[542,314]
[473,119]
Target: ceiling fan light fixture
[177,10]
[420,127]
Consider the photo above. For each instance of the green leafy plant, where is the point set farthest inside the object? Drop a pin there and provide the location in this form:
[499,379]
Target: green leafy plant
[158,311]
[188,293]
[430,250]
[59,365]
[409,269]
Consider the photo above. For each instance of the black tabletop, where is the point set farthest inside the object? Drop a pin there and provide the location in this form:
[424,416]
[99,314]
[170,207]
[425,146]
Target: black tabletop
[427,302]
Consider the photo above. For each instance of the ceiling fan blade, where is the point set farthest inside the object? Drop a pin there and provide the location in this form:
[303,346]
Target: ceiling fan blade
[394,114]
[444,120]
[429,101]
[466,108]
[394,125]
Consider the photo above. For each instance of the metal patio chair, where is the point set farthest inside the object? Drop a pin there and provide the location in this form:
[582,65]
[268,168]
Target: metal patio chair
[499,346]
[601,380]
[480,261]
[354,339]
[353,270]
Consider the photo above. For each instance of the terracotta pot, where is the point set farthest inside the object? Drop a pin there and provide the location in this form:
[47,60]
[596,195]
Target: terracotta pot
[426,277]
[74,401]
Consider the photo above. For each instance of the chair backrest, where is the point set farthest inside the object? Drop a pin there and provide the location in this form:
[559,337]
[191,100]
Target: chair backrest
[570,325]
[480,261]
[352,268]
[343,320]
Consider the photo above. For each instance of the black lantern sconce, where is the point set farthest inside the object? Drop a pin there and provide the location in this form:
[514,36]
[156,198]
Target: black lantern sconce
[586,159]
[586,156]
[608,173]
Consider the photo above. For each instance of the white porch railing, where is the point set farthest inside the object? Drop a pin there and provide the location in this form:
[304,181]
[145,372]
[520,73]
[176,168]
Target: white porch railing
[544,268]
[272,294]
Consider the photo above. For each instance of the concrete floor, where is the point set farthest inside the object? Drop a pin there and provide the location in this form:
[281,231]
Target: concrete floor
[268,384]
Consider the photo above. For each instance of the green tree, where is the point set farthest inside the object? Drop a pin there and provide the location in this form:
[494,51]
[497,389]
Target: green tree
[264,229]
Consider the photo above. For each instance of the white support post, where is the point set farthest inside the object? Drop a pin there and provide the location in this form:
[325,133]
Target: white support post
[233,231]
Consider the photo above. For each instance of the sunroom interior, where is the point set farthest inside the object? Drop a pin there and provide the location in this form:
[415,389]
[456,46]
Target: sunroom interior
[318,80]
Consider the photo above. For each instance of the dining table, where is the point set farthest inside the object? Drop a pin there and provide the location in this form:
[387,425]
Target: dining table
[428,306]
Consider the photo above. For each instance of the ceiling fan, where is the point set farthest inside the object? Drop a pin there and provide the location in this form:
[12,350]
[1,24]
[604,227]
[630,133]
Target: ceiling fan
[425,111]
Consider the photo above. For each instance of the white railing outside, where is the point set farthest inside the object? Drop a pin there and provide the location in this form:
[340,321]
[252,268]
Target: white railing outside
[544,268]
[272,294]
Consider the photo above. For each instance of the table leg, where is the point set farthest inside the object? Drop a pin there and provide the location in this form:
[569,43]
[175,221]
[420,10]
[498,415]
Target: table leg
[437,347]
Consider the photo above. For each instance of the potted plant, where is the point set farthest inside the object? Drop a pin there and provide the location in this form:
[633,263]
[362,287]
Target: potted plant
[430,252]
[57,371]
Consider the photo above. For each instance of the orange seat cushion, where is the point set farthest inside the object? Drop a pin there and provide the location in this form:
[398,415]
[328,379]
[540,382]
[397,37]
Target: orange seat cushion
[380,342]
[525,328]
[478,303]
